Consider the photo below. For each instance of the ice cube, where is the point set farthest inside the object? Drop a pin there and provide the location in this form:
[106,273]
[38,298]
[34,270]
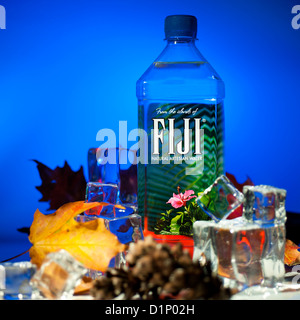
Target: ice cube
[107,193]
[117,166]
[220,199]
[127,228]
[14,280]
[101,192]
[203,245]
[222,242]
[58,276]
[247,254]
[120,216]
[258,255]
[103,165]
[272,261]
[248,251]
[264,204]
[2,277]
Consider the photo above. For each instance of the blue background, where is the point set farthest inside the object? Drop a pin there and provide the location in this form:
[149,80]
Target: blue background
[69,68]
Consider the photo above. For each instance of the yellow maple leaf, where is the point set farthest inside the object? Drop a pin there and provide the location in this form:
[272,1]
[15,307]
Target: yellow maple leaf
[88,242]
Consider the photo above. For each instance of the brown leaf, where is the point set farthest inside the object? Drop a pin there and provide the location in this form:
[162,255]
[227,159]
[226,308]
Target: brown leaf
[61,185]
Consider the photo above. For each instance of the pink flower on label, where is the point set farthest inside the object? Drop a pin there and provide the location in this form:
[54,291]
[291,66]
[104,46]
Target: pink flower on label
[180,199]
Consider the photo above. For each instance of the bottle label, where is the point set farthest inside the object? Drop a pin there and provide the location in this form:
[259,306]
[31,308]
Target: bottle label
[176,136]
[184,158]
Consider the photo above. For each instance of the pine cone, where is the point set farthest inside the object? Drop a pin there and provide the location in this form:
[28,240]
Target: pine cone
[157,271]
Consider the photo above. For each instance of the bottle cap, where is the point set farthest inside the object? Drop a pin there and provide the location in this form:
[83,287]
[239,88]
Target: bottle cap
[180,26]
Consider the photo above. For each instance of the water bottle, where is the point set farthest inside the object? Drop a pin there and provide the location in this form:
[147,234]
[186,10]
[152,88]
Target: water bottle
[180,112]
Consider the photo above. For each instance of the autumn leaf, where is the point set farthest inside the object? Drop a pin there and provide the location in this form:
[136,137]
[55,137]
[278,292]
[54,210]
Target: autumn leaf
[88,242]
[291,253]
[238,185]
[238,212]
[61,185]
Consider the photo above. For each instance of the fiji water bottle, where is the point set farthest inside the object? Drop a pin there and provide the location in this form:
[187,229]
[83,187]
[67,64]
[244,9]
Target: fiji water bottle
[180,112]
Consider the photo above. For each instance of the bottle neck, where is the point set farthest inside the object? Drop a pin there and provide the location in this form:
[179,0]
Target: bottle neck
[181,49]
[181,40]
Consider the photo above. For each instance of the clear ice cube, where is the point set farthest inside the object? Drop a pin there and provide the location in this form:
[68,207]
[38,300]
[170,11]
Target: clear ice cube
[258,255]
[127,229]
[222,242]
[264,204]
[272,262]
[119,218]
[101,192]
[103,165]
[117,166]
[58,276]
[107,193]
[15,280]
[242,253]
[2,277]
[203,245]
[248,253]
[220,199]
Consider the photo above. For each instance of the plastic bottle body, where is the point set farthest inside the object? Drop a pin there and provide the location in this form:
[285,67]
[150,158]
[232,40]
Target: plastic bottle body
[180,103]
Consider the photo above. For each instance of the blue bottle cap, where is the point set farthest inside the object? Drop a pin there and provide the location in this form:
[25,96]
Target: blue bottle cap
[180,26]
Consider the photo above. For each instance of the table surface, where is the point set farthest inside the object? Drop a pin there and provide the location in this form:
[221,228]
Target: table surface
[9,249]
